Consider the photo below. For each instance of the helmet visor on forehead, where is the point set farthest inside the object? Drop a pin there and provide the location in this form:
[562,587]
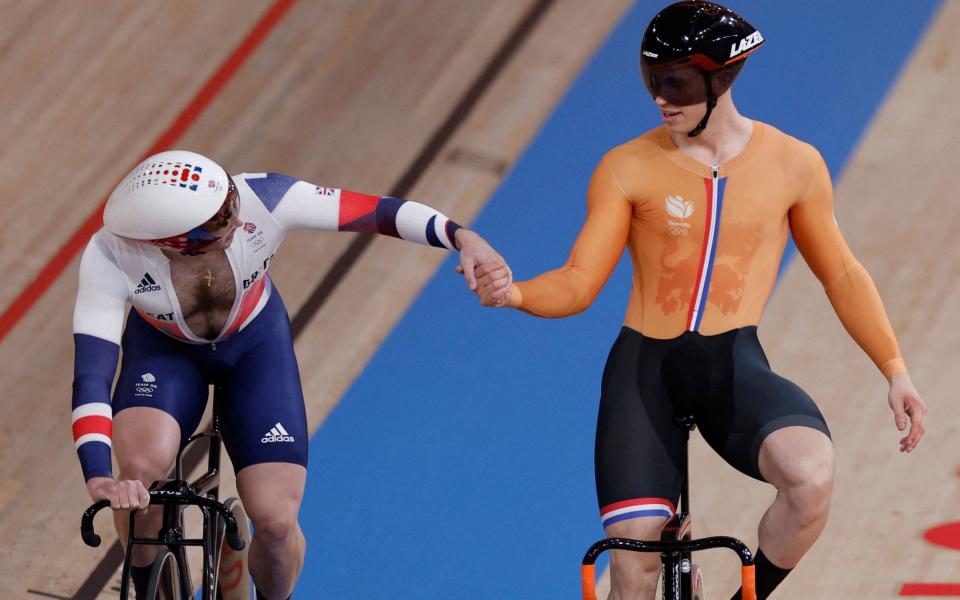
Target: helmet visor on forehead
[212,230]
[679,84]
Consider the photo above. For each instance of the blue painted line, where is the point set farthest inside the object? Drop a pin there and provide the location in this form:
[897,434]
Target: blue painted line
[467,472]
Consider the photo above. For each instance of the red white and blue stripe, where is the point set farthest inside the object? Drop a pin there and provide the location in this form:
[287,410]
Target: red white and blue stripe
[715,188]
[92,422]
[92,430]
[637,507]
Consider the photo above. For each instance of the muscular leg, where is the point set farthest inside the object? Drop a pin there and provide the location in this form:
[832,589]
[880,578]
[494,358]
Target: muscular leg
[799,462]
[146,442]
[271,494]
[638,448]
[148,422]
[634,575]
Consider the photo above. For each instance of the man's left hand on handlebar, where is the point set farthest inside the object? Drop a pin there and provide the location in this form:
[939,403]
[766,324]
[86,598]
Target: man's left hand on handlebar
[124,494]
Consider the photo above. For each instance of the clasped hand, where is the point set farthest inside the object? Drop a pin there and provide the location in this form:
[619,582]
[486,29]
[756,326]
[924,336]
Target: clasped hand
[486,272]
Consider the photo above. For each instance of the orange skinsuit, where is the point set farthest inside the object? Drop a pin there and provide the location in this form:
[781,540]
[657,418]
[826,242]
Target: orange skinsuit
[706,242]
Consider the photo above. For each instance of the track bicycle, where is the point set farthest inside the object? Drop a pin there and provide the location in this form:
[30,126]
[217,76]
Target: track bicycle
[681,579]
[222,522]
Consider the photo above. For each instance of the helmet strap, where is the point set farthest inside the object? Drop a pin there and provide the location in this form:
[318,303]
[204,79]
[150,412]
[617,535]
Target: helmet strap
[711,104]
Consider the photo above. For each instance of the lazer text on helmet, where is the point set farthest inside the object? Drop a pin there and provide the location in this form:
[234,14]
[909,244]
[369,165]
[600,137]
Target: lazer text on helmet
[746,43]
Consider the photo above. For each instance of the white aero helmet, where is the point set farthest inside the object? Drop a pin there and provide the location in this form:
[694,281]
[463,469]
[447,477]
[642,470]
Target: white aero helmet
[166,198]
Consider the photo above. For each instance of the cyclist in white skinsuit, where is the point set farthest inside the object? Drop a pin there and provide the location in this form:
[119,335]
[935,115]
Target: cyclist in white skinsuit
[188,247]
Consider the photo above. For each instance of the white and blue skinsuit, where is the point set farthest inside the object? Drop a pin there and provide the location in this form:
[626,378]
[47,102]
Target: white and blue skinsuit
[167,366]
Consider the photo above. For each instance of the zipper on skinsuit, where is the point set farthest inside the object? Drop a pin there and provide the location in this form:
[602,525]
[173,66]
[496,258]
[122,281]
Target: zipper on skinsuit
[698,303]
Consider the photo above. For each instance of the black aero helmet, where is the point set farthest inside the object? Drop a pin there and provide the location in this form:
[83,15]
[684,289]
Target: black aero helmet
[693,50]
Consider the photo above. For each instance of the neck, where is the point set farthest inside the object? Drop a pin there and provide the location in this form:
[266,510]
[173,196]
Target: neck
[174,254]
[179,256]
[727,133]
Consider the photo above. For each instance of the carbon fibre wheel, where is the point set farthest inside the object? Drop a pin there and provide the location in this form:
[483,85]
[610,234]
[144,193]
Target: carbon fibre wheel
[164,583]
[697,576]
[233,576]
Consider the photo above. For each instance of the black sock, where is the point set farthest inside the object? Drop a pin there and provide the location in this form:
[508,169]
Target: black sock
[769,576]
[140,576]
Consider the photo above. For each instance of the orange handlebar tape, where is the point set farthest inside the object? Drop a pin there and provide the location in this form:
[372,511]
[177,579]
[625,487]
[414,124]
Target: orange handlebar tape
[588,581]
[749,583]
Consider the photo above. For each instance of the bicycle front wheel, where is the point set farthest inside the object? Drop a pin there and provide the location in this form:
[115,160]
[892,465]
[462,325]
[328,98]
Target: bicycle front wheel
[164,581]
[233,576]
[697,576]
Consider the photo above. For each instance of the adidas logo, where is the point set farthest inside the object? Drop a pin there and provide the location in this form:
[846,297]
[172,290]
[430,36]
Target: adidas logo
[276,434]
[147,284]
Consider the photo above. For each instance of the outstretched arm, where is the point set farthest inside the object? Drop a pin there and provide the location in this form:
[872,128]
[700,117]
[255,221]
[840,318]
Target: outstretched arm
[854,297]
[307,206]
[573,287]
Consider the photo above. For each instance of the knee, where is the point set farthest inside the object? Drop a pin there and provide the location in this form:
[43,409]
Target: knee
[633,572]
[271,494]
[634,567]
[273,522]
[144,466]
[146,441]
[277,527]
[814,474]
[798,460]
[810,487]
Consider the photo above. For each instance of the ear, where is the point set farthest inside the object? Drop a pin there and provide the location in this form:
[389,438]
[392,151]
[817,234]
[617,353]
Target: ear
[722,80]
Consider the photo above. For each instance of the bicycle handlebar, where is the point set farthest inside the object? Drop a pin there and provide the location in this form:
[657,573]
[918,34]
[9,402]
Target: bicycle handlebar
[588,581]
[163,496]
[588,573]
[86,523]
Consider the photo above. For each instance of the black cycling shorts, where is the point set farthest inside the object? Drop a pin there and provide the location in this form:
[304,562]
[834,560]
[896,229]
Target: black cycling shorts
[723,380]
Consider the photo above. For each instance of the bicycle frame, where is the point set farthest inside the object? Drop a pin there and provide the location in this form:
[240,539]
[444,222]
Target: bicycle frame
[174,496]
[677,565]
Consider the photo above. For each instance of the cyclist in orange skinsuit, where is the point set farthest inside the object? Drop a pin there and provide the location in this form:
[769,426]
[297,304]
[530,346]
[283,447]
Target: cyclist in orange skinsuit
[706,242]
[705,212]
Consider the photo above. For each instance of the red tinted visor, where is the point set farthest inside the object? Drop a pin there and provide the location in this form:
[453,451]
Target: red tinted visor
[678,84]
[212,230]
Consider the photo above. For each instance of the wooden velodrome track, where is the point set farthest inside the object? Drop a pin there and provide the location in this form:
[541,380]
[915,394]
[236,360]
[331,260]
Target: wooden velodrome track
[429,97]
